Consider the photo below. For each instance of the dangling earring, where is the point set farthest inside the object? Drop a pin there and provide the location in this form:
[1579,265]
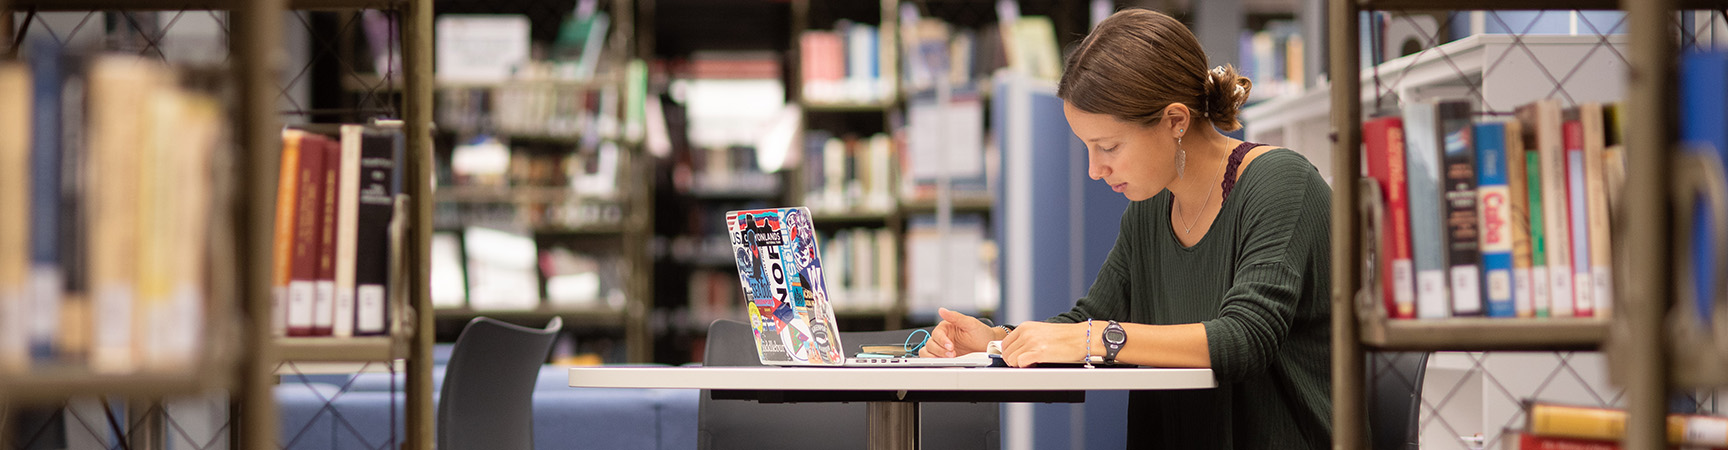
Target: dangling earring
[1181,158]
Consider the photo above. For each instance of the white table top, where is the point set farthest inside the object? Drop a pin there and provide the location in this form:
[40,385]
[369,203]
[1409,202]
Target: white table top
[892,379]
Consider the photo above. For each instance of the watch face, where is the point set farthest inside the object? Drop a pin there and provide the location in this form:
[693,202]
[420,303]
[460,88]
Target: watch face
[1115,335]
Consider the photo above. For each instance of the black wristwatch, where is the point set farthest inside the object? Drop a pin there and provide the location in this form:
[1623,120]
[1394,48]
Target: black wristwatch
[1114,338]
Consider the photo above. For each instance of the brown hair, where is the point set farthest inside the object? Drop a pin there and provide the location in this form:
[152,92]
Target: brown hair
[1137,62]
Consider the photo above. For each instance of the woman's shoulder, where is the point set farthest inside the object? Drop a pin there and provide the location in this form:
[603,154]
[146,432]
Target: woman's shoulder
[1270,161]
[1274,169]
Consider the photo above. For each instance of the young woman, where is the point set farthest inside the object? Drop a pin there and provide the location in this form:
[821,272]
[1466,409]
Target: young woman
[1222,260]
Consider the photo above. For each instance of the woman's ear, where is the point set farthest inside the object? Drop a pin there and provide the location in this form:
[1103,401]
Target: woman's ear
[1177,117]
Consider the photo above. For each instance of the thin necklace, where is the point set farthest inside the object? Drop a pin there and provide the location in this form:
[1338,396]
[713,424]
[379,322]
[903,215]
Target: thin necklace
[1190,227]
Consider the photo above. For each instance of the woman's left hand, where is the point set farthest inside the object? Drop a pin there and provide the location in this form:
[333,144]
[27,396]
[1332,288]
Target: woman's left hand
[1040,342]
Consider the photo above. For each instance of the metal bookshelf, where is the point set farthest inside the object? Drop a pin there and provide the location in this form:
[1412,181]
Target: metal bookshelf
[247,358]
[1634,338]
[634,230]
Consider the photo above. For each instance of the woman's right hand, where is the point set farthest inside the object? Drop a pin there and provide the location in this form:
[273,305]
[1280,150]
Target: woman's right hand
[957,334]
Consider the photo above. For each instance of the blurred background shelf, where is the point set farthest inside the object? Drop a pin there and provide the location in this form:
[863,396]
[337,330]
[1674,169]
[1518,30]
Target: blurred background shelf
[1478,334]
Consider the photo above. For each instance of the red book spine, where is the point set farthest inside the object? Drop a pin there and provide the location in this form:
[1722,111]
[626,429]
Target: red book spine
[1384,138]
[307,220]
[323,313]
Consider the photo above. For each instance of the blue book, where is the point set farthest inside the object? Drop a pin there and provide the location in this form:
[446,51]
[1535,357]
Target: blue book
[1422,155]
[1704,128]
[45,61]
[1495,221]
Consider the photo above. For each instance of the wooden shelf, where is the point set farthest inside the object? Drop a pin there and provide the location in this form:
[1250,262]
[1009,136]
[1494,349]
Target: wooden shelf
[598,316]
[962,203]
[353,349]
[175,5]
[1483,334]
[851,217]
[57,385]
[589,84]
[512,194]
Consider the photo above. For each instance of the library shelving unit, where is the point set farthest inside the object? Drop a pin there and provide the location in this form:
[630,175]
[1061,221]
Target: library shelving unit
[628,234]
[244,356]
[1633,338]
[855,118]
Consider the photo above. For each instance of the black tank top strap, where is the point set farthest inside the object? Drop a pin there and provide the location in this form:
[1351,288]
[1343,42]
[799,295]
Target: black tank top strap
[1230,168]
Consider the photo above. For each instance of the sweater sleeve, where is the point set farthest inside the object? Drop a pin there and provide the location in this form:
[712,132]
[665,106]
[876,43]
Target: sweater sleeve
[1108,296]
[1288,219]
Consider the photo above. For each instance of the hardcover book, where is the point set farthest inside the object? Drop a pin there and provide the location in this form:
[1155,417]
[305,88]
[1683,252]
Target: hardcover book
[1384,138]
[1428,253]
[1458,194]
[1518,189]
[1495,226]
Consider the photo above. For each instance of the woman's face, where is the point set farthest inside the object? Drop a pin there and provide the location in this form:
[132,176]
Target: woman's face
[1136,161]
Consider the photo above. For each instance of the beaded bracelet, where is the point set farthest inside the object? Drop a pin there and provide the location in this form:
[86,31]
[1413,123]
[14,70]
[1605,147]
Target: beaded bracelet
[1088,358]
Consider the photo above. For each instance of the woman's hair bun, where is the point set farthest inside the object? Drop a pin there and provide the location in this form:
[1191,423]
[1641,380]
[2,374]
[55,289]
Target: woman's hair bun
[1226,92]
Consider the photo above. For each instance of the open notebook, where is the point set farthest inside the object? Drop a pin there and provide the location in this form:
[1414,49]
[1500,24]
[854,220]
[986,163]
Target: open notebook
[781,271]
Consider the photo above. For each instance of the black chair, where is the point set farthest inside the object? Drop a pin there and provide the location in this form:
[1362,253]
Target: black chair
[487,398]
[1395,399]
[744,424]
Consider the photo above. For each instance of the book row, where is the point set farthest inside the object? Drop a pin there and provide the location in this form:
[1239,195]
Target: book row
[492,162]
[1549,426]
[844,65]
[534,107]
[1273,58]
[1503,218]
[848,173]
[488,269]
[113,193]
[336,199]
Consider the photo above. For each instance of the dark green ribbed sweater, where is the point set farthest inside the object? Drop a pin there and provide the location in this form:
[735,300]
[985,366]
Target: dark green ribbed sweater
[1259,281]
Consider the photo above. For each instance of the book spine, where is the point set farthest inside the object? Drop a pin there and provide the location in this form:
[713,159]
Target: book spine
[287,186]
[1385,139]
[1495,212]
[1458,203]
[1584,301]
[1556,221]
[120,89]
[180,325]
[45,278]
[376,202]
[76,201]
[15,181]
[1540,297]
[1398,207]
[347,221]
[1596,198]
[301,291]
[159,157]
[1517,184]
[324,300]
[1422,151]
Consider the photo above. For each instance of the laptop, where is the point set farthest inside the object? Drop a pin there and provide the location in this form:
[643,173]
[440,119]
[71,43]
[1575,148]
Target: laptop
[790,315]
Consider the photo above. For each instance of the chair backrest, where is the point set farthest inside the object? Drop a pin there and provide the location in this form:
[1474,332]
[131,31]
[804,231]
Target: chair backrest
[740,424]
[487,398]
[1395,398]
